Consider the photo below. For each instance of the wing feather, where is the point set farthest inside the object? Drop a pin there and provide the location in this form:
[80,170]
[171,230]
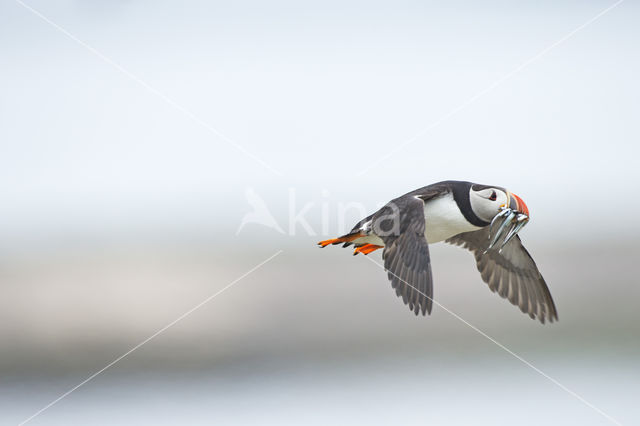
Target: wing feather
[406,253]
[513,274]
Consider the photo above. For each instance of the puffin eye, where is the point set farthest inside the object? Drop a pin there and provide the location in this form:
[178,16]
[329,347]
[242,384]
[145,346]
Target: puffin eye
[493,196]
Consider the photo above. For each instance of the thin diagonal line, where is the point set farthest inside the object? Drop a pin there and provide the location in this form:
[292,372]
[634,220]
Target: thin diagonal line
[500,345]
[163,329]
[489,88]
[150,88]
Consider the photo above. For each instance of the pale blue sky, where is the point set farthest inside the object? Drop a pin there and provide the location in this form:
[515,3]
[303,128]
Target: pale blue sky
[317,91]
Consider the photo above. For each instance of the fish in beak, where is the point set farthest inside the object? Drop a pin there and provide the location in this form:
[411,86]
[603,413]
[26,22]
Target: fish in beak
[510,220]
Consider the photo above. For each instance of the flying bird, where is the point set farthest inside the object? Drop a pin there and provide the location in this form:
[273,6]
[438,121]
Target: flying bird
[484,219]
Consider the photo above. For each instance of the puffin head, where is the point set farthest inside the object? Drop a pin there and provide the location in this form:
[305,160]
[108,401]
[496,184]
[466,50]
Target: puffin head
[487,201]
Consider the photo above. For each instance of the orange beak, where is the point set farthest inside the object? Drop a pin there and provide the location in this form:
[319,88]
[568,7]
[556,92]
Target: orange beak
[516,203]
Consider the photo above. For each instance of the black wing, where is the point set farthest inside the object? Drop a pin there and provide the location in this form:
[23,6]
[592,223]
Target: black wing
[401,225]
[512,273]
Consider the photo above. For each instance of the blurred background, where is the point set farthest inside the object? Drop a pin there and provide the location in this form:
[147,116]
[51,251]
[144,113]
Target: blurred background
[133,146]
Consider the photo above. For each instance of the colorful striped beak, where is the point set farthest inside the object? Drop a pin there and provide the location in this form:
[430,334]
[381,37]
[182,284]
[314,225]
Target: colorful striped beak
[516,203]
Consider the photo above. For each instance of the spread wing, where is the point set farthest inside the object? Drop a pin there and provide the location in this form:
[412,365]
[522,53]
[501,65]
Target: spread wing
[512,273]
[401,225]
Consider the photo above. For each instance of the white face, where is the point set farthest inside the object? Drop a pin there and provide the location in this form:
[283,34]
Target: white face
[486,202]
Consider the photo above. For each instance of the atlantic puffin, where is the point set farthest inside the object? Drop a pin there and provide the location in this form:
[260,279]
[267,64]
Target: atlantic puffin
[484,219]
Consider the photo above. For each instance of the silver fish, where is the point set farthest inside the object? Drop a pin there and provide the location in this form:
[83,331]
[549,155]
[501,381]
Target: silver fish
[521,221]
[504,226]
[505,211]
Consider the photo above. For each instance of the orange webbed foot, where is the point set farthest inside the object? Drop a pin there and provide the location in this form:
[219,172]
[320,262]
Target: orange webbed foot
[327,242]
[344,239]
[366,249]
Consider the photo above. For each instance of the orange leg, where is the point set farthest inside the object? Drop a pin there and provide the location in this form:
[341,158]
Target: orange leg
[344,239]
[366,249]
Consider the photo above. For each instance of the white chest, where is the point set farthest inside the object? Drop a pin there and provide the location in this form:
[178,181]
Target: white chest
[443,219]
